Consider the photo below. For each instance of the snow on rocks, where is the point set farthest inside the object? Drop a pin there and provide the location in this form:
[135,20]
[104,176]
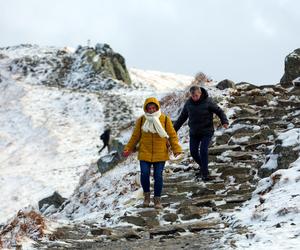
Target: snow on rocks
[272,215]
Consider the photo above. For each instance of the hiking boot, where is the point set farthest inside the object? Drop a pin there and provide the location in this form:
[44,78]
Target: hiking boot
[146,202]
[157,204]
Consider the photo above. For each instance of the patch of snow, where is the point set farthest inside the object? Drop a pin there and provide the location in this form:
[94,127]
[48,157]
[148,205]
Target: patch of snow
[272,215]
[159,80]
[272,162]
[290,137]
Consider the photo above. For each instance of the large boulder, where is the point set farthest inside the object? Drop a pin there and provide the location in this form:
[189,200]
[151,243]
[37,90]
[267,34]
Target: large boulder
[280,158]
[296,82]
[291,68]
[225,84]
[245,86]
[105,61]
[89,68]
[55,199]
[113,158]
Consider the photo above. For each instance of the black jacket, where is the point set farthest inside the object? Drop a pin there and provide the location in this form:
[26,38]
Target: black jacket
[200,115]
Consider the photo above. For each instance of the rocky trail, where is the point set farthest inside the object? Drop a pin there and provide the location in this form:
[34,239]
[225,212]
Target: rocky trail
[195,213]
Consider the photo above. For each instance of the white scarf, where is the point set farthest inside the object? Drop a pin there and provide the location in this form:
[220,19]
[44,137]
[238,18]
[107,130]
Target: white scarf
[152,124]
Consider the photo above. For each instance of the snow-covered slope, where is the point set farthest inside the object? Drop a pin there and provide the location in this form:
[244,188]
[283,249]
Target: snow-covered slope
[159,80]
[49,135]
[272,215]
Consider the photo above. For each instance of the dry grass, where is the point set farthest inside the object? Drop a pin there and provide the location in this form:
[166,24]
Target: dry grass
[26,224]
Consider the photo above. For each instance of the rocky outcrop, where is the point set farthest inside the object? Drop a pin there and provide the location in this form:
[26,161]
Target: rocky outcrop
[225,84]
[291,68]
[98,68]
[105,61]
[55,200]
[238,158]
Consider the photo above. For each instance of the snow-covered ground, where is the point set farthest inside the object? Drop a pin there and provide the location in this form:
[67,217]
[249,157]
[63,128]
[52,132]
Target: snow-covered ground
[161,81]
[49,136]
[273,214]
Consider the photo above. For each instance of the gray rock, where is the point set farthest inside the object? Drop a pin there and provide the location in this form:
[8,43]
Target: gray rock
[253,100]
[108,162]
[245,86]
[192,212]
[286,155]
[130,234]
[138,221]
[200,226]
[56,200]
[291,68]
[166,230]
[225,84]
[296,82]
[171,217]
[149,213]
[102,231]
[222,139]
[217,150]
[238,156]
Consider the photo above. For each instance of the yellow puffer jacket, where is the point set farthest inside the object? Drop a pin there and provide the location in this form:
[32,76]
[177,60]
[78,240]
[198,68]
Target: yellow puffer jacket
[152,147]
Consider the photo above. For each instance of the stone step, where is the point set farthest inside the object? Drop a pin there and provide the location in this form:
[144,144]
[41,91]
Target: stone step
[252,100]
[191,212]
[170,179]
[242,155]
[267,111]
[246,120]
[217,150]
[260,146]
[288,103]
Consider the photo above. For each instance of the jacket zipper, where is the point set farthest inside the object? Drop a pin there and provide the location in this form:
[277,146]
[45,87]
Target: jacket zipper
[152,150]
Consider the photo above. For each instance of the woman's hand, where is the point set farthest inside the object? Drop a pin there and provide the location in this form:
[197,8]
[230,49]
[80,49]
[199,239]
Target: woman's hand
[126,153]
[176,154]
[225,125]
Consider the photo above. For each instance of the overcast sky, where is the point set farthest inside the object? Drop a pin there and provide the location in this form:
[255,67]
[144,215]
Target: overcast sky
[242,40]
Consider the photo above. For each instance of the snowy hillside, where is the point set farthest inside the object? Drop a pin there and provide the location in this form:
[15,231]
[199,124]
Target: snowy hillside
[49,135]
[159,80]
[54,104]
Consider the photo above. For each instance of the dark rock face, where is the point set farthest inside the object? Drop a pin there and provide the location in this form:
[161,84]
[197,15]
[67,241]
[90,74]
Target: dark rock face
[90,68]
[283,156]
[296,82]
[225,84]
[110,160]
[56,199]
[291,68]
[104,60]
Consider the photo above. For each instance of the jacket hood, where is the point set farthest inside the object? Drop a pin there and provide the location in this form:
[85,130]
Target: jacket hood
[151,100]
[204,95]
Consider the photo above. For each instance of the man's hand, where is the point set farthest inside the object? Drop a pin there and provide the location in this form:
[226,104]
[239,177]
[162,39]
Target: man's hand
[126,153]
[225,125]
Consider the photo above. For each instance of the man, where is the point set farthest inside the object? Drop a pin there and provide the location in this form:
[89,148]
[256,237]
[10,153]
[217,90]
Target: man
[105,138]
[199,109]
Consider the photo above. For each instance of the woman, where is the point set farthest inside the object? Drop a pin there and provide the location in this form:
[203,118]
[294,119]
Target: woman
[153,131]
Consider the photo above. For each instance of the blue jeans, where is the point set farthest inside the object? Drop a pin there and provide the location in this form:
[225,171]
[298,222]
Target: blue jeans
[201,157]
[158,176]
